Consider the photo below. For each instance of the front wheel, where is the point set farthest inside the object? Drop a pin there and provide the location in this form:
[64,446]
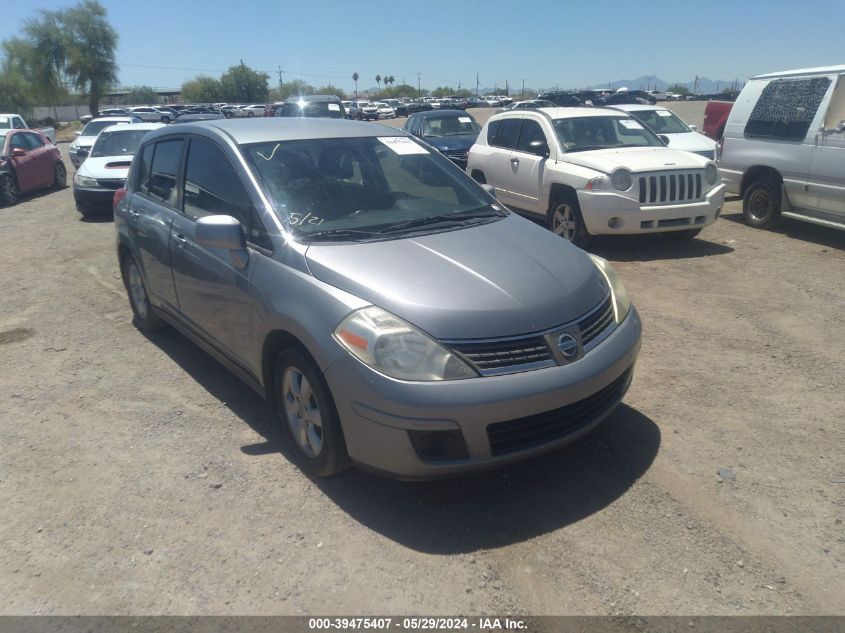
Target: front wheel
[308,415]
[8,190]
[59,176]
[145,318]
[565,220]
[761,204]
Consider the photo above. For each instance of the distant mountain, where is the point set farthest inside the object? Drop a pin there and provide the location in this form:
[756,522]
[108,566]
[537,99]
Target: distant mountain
[652,82]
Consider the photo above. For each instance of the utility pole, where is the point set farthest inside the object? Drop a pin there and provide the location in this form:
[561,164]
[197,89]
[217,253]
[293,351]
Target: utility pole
[507,89]
[280,81]
[476,84]
[523,87]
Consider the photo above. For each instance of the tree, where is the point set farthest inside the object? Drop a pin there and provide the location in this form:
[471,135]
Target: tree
[292,88]
[678,89]
[330,89]
[141,95]
[355,79]
[14,96]
[378,81]
[402,90]
[243,84]
[202,89]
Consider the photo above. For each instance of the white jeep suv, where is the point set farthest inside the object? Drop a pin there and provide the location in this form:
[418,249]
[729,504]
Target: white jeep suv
[595,171]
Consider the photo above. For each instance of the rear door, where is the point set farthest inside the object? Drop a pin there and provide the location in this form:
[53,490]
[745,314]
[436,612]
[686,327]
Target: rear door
[151,210]
[826,183]
[502,163]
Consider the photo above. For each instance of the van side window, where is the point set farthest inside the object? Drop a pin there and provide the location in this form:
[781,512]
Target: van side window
[786,108]
[165,171]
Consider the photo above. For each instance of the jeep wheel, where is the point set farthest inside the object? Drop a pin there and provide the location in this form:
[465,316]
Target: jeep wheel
[564,220]
[761,204]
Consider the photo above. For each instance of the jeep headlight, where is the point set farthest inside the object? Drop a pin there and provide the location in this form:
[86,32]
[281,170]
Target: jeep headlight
[622,179]
[396,348]
[621,300]
[85,181]
[711,174]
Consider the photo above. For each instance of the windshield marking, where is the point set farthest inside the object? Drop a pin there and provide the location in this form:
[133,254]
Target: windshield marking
[273,153]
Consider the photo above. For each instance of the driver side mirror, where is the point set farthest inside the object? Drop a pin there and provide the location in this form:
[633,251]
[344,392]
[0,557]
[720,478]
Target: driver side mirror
[224,232]
[540,148]
[18,151]
[663,138]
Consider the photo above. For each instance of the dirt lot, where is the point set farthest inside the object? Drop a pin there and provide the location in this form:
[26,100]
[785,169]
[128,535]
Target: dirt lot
[137,476]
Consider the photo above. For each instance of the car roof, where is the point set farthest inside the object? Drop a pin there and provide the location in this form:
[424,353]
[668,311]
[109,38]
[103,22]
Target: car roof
[117,119]
[570,113]
[257,130]
[819,70]
[447,113]
[133,127]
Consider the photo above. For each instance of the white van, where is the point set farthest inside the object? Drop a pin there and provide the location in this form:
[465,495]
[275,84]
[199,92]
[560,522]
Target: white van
[784,147]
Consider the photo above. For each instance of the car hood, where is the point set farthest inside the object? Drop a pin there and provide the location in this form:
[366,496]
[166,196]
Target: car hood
[85,141]
[106,167]
[504,278]
[636,159]
[691,142]
[457,142]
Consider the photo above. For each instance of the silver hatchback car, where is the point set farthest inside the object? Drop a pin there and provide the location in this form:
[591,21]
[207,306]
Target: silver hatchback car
[392,311]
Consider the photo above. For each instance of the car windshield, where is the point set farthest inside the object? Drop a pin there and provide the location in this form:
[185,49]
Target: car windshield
[326,109]
[449,126]
[661,121]
[95,127]
[579,134]
[118,143]
[366,188]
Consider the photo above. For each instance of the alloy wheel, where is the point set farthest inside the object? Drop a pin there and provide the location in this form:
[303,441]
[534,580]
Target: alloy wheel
[564,222]
[759,204]
[137,292]
[302,412]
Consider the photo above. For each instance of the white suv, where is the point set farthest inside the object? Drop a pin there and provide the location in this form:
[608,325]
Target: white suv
[595,171]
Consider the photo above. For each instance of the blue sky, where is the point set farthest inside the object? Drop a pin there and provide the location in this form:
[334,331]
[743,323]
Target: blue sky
[572,44]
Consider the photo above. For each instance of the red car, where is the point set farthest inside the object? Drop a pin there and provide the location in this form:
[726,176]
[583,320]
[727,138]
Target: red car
[28,161]
[715,116]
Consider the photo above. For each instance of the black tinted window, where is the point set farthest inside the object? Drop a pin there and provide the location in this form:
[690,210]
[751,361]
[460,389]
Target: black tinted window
[165,170]
[531,133]
[33,140]
[144,169]
[492,130]
[19,142]
[507,133]
[786,108]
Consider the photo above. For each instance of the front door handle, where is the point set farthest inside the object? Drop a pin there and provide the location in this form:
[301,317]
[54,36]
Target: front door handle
[514,161]
[134,214]
[181,240]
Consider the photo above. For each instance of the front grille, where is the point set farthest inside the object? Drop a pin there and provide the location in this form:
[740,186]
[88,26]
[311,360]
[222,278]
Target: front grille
[543,428]
[111,183]
[670,187]
[505,356]
[595,322]
[457,154]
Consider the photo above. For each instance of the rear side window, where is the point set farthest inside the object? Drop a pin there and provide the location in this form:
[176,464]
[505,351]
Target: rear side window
[507,133]
[165,171]
[786,108]
[212,187]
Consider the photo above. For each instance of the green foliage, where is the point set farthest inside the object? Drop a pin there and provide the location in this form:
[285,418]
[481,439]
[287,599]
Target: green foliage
[402,90]
[291,89]
[141,95]
[330,89]
[242,84]
[202,89]
[678,89]
[448,91]
[14,94]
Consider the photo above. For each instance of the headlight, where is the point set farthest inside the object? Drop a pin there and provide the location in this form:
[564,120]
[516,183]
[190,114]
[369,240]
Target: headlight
[711,174]
[622,179]
[621,300]
[85,181]
[396,348]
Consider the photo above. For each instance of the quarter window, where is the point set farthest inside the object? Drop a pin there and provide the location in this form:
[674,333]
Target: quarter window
[786,108]
[165,171]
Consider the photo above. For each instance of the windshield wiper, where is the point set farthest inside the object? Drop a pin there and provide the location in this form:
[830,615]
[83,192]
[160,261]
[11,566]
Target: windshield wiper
[338,234]
[452,218]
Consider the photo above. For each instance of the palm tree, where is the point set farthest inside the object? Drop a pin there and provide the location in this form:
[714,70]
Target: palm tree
[378,81]
[355,79]
[392,80]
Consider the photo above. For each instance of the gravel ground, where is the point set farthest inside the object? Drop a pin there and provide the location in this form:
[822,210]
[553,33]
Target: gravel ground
[138,476]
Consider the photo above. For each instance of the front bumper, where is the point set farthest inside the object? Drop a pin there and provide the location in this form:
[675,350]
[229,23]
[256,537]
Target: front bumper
[93,197]
[377,412]
[609,213]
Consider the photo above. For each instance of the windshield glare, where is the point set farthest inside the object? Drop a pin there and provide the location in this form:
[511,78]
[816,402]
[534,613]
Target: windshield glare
[449,126]
[603,132]
[363,184]
[320,109]
[661,121]
[95,127]
[122,143]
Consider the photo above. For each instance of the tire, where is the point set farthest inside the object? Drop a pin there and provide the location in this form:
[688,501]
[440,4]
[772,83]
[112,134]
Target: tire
[59,176]
[687,234]
[144,317]
[165,119]
[307,414]
[761,204]
[250,114]
[564,220]
[8,191]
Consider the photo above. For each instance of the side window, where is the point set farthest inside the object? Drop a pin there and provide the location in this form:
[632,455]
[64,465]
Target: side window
[492,130]
[165,171]
[143,178]
[508,133]
[531,133]
[18,142]
[18,123]
[786,108]
[33,140]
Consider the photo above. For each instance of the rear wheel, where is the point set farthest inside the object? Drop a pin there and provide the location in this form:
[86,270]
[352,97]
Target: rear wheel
[308,415]
[145,318]
[59,176]
[8,190]
[761,203]
[564,220]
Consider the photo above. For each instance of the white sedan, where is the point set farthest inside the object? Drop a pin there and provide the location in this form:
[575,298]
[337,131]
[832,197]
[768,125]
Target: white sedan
[665,122]
[384,110]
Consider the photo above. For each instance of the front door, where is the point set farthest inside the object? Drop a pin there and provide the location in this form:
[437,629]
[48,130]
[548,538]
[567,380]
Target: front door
[502,162]
[525,182]
[26,165]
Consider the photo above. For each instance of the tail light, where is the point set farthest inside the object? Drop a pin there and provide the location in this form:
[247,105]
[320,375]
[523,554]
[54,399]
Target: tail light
[118,196]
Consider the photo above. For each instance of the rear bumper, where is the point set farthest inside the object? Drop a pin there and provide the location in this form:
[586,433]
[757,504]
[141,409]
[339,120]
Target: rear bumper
[377,413]
[93,197]
[608,213]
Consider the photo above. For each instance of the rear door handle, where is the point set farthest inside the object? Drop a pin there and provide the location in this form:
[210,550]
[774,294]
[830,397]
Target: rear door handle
[134,214]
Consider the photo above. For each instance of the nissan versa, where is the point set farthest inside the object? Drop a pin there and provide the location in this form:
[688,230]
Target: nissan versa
[393,312]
